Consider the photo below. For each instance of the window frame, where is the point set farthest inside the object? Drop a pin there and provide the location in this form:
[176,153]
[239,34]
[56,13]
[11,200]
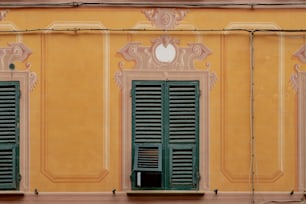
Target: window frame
[24,78]
[10,146]
[193,75]
[167,144]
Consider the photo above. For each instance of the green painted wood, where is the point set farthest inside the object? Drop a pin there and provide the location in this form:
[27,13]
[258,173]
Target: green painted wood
[166,113]
[148,157]
[183,167]
[9,135]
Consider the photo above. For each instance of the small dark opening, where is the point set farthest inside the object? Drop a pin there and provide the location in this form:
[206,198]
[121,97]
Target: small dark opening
[151,179]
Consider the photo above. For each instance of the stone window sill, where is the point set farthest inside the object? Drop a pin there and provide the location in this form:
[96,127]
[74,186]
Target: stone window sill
[11,193]
[164,193]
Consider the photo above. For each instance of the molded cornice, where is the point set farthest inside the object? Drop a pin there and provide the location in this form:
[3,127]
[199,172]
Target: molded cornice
[158,3]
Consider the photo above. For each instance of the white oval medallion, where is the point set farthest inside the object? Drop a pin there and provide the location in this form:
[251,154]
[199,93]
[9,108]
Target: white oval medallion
[165,54]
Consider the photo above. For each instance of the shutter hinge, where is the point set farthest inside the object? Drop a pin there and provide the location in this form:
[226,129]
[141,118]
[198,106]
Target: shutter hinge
[19,177]
[199,93]
[131,93]
[19,93]
[198,176]
[195,182]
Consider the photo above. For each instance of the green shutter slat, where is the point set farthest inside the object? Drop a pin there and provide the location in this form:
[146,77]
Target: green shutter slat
[6,93]
[148,157]
[139,116]
[7,121]
[9,135]
[181,105]
[7,117]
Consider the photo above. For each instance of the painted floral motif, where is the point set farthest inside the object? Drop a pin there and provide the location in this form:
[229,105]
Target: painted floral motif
[176,58]
[145,57]
[165,18]
[16,52]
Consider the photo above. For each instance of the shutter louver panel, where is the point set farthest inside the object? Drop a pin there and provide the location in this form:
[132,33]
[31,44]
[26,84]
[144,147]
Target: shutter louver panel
[182,166]
[7,167]
[148,157]
[8,113]
[9,135]
[183,113]
[147,113]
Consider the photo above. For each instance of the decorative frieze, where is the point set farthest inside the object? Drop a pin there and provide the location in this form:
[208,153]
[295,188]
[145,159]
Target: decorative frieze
[164,55]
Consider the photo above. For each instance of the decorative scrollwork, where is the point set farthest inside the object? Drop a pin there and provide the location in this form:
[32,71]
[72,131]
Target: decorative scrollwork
[294,78]
[3,14]
[301,54]
[163,55]
[17,52]
[165,18]
[146,57]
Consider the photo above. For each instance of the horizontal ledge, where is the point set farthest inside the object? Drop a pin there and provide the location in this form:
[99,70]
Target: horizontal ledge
[14,193]
[164,192]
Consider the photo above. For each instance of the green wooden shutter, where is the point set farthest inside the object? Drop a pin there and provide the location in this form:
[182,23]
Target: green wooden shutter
[147,117]
[148,157]
[165,129]
[183,167]
[9,135]
[147,111]
[183,133]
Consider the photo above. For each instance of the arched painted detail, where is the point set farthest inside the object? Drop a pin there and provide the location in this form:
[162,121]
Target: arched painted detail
[176,58]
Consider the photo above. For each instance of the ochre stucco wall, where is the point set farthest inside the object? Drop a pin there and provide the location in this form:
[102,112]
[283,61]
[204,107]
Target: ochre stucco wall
[75,108]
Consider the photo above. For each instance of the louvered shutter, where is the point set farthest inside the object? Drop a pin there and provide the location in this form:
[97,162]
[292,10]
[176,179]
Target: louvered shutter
[9,135]
[147,117]
[165,129]
[183,125]
[183,167]
[148,157]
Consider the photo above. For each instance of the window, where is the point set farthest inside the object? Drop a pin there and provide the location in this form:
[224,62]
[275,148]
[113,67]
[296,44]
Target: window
[9,135]
[165,135]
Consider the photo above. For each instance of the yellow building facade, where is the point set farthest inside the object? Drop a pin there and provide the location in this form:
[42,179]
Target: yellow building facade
[75,67]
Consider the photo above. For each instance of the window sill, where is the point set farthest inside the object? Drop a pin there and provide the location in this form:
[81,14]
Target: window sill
[11,193]
[164,192]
